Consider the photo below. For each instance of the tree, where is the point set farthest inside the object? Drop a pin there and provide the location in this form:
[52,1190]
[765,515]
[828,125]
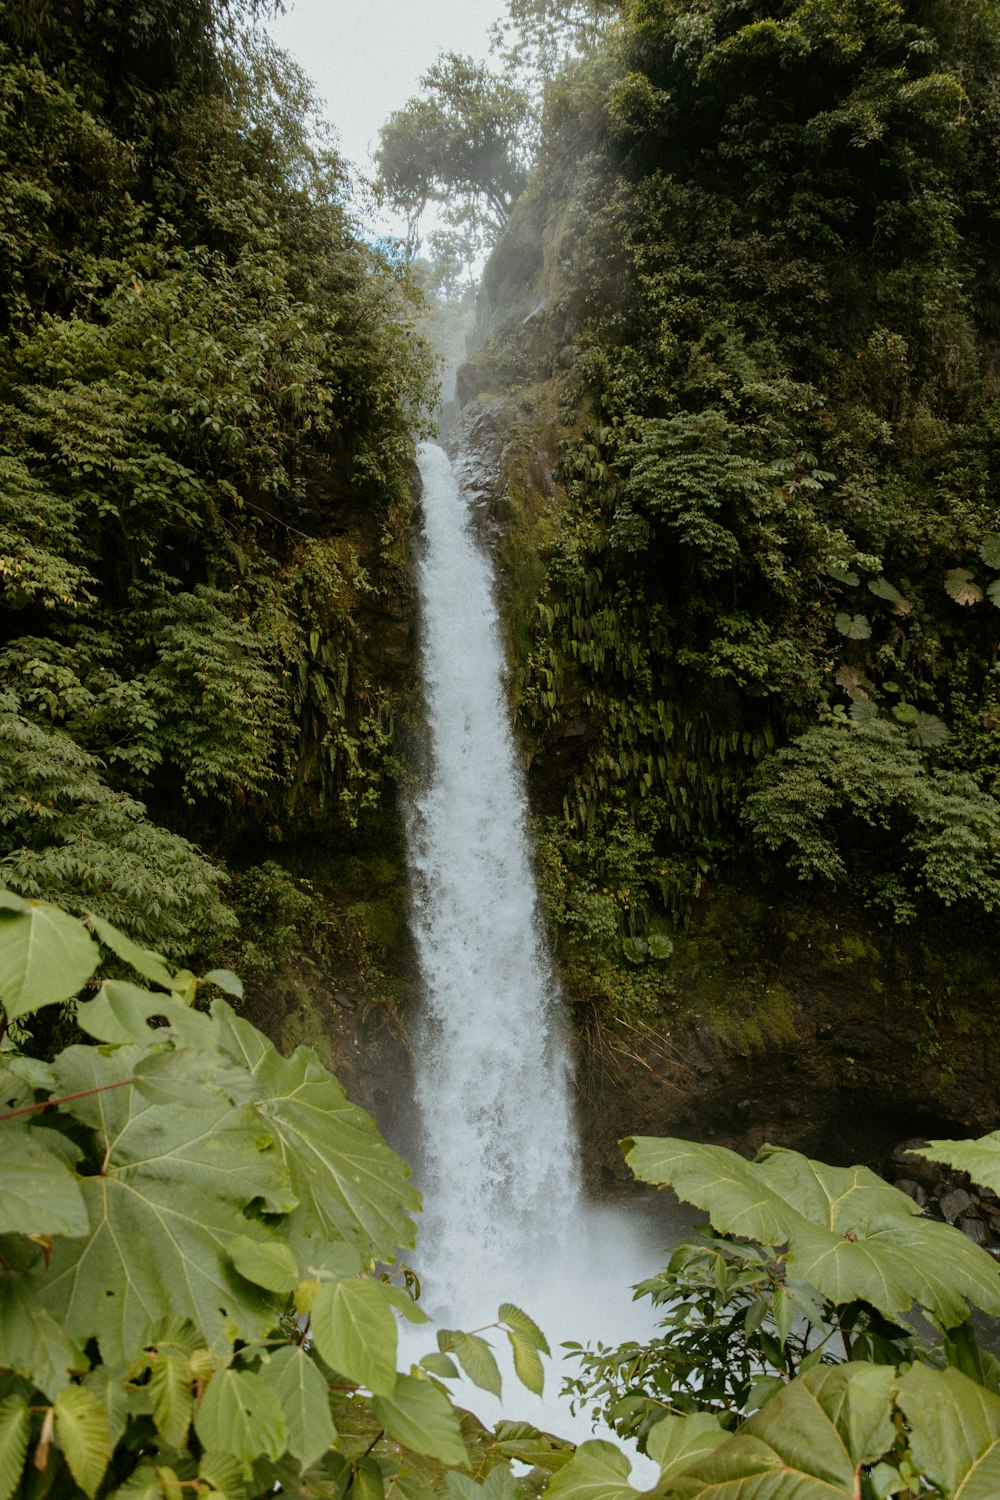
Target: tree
[462,139]
[538,35]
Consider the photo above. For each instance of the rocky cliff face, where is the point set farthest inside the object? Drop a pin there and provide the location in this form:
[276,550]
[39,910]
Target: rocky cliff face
[782,1016]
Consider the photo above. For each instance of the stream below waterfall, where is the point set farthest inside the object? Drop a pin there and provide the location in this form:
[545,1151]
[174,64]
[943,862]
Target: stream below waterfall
[497,1156]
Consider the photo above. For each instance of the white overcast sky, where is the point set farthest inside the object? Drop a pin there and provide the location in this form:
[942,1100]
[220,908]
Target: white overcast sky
[366,56]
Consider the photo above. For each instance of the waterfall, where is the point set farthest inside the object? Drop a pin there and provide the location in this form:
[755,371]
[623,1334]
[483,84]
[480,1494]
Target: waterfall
[498,1161]
[504,1217]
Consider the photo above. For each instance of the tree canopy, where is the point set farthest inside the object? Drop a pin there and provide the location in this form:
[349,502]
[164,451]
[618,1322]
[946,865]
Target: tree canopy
[462,138]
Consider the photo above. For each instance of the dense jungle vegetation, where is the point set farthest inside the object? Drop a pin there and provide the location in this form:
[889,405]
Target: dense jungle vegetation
[755,326]
[761,599]
[210,387]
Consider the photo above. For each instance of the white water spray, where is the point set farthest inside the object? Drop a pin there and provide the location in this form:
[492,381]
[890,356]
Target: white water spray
[503,1217]
[493,1090]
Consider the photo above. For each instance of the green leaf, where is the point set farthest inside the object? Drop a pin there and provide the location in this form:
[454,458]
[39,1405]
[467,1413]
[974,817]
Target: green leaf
[354,1329]
[980,1158]
[842,574]
[811,1441]
[440,1364]
[143,960]
[38,1192]
[46,956]
[928,732]
[597,1471]
[660,946]
[421,1417]
[863,711]
[224,1473]
[962,586]
[172,1396]
[142,1484]
[854,627]
[527,1363]
[32,1341]
[267,1263]
[121,1012]
[477,1360]
[989,549]
[15,1424]
[848,1233]
[530,1446]
[675,1443]
[368,1482]
[954,1431]
[162,1212]
[883,589]
[107,1386]
[83,1435]
[404,1303]
[348,1182]
[993,592]
[305,1402]
[523,1325]
[226,980]
[241,1414]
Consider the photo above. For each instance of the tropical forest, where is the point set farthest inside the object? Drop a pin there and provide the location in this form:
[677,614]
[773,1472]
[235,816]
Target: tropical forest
[500,739]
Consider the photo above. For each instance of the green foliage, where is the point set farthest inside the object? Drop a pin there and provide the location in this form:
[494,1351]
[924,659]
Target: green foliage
[763,237]
[857,800]
[66,833]
[462,138]
[789,1364]
[209,386]
[190,1231]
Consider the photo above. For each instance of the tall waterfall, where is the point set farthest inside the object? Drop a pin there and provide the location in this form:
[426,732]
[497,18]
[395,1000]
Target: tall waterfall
[498,1159]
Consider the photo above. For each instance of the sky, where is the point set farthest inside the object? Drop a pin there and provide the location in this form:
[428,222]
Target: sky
[366,56]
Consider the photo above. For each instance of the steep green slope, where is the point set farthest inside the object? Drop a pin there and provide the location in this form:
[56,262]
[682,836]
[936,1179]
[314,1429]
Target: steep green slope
[208,386]
[749,312]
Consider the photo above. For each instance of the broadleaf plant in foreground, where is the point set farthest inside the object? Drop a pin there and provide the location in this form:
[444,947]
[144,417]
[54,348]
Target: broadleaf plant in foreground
[197,1297]
[189,1231]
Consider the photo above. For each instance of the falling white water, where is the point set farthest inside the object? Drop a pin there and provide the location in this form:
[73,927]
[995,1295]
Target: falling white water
[503,1212]
[498,1163]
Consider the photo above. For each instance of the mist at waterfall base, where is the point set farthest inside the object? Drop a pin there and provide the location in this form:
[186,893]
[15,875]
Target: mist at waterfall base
[505,1218]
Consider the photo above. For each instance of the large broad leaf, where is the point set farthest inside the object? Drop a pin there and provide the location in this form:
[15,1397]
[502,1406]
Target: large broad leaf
[38,1192]
[810,1442]
[855,627]
[980,1158]
[143,960]
[122,1013]
[675,1443]
[241,1414]
[421,1417]
[477,1360]
[597,1471]
[46,956]
[348,1182]
[83,1434]
[305,1402]
[15,1424]
[928,732]
[267,1263]
[962,587]
[848,1233]
[173,1189]
[32,1341]
[354,1329]
[954,1431]
[730,1189]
